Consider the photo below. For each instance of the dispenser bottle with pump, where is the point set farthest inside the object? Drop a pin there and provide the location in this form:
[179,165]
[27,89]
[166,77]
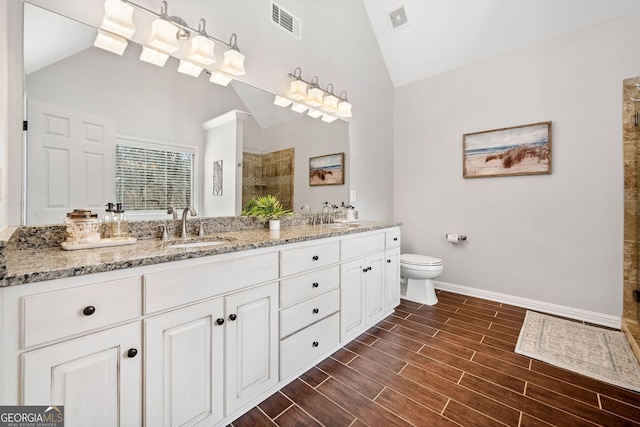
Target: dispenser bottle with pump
[119,223]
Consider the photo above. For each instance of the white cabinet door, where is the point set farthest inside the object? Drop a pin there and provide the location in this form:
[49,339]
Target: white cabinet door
[96,377]
[251,344]
[184,366]
[374,275]
[392,279]
[352,286]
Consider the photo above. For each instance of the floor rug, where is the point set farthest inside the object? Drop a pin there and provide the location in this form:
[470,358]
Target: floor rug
[599,353]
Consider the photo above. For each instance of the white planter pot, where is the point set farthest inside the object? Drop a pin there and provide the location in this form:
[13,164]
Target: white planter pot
[274,224]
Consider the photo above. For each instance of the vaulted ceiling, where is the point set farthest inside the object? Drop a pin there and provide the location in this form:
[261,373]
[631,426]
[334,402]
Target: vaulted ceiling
[441,35]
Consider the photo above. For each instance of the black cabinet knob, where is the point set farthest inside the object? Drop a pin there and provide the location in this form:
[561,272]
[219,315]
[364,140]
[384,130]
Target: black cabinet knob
[395,239]
[316,311]
[388,261]
[315,284]
[315,257]
[232,317]
[132,352]
[315,343]
[89,310]
[220,321]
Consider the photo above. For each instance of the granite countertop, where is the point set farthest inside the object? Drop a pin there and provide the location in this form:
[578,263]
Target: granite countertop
[27,265]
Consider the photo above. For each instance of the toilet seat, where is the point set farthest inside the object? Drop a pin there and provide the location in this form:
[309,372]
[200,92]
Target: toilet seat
[415,259]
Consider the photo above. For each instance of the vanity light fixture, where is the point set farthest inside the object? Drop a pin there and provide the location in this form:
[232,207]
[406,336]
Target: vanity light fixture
[315,95]
[219,78]
[299,107]
[314,113]
[110,42]
[118,18]
[166,35]
[153,56]
[330,104]
[310,96]
[298,87]
[344,107]
[163,33]
[189,68]
[281,101]
[201,51]
[233,63]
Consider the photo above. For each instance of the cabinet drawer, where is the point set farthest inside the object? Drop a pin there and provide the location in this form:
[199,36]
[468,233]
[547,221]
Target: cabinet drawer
[297,260]
[307,285]
[184,285]
[306,346]
[53,315]
[298,316]
[393,239]
[361,245]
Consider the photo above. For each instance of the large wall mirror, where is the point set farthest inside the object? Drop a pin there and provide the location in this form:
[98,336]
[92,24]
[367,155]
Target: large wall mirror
[84,102]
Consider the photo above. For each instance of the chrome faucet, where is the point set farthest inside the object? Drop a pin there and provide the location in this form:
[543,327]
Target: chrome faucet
[325,206]
[184,219]
[172,210]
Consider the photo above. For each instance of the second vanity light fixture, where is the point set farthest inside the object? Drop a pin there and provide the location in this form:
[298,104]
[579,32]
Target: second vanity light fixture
[166,33]
[317,102]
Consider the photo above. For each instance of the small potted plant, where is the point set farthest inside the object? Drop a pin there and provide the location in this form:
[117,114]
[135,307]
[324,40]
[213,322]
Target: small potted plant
[266,209]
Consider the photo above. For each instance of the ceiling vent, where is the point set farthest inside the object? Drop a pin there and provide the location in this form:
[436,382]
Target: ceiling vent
[398,18]
[286,21]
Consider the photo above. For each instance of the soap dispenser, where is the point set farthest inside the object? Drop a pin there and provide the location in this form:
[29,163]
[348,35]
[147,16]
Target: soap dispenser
[119,223]
[108,213]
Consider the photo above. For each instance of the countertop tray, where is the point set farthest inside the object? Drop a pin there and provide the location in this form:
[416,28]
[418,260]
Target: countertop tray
[103,243]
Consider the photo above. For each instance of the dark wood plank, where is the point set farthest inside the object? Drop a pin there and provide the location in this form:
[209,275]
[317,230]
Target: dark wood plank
[317,405]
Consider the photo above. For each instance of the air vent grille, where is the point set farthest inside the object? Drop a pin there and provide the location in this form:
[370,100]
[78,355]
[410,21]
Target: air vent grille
[398,18]
[286,21]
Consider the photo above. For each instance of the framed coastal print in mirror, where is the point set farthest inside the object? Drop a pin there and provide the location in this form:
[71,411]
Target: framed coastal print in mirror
[517,150]
[326,170]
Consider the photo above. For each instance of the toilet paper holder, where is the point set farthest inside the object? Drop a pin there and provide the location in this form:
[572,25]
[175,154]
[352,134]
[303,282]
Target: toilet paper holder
[455,237]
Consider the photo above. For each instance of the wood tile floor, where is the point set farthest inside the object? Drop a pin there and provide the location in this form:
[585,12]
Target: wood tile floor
[445,365]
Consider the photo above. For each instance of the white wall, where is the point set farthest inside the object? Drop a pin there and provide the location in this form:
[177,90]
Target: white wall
[552,238]
[347,56]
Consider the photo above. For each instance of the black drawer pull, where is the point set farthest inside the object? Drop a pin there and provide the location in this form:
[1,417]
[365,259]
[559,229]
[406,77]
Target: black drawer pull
[232,317]
[395,239]
[315,284]
[315,257]
[388,261]
[315,343]
[220,321]
[316,311]
[89,310]
[132,352]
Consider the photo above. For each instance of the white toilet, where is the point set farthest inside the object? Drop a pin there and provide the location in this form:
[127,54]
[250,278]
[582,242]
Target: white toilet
[418,272]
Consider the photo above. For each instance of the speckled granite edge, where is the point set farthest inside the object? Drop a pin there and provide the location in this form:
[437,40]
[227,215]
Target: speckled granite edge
[5,236]
[28,264]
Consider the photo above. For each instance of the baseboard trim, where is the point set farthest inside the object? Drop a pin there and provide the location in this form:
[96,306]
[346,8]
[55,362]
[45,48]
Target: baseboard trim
[544,307]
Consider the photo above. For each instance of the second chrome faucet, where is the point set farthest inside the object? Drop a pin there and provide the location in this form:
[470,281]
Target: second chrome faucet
[186,211]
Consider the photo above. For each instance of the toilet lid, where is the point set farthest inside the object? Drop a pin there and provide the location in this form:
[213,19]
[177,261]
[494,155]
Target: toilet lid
[416,259]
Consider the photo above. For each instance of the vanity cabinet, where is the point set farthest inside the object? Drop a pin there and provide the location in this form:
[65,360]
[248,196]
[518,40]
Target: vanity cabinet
[392,269]
[362,283]
[251,344]
[191,342]
[96,377]
[79,347]
[184,366]
[197,357]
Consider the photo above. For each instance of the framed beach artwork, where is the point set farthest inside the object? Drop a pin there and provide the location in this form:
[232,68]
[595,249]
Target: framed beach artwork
[326,170]
[517,150]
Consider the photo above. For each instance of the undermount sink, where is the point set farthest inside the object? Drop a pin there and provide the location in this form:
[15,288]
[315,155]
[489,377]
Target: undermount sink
[196,244]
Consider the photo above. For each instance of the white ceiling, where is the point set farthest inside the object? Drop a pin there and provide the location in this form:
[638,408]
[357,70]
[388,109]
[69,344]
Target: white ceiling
[443,35]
